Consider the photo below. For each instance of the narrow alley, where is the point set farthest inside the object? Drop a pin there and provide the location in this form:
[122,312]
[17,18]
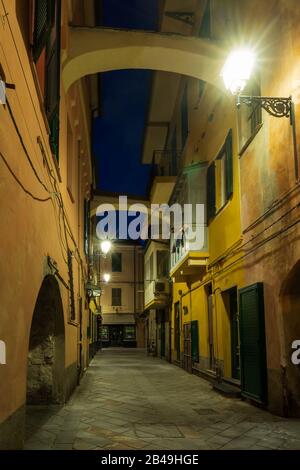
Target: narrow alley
[150,236]
[127,401]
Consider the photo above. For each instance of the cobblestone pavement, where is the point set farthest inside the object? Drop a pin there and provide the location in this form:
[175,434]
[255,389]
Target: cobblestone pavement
[130,401]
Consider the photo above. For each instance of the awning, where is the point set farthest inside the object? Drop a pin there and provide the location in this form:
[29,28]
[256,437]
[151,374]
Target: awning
[117,319]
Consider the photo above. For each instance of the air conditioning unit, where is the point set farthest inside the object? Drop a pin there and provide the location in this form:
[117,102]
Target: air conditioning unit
[160,287]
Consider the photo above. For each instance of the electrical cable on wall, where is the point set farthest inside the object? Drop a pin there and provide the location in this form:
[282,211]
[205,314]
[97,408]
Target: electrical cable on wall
[64,217]
[23,145]
[29,193]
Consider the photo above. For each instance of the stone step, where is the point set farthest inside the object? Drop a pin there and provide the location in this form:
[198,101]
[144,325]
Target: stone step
[227,390]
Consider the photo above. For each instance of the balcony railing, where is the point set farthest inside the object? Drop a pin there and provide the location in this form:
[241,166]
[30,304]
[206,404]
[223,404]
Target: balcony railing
[167,162]
[182,245]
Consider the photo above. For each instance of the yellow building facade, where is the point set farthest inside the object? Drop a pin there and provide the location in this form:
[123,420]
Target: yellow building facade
[204,283]
[234,300]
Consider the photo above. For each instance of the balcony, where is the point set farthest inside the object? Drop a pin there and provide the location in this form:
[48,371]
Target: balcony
[157,293]
[156,284]
[188,257]
[189,243]
[166,166]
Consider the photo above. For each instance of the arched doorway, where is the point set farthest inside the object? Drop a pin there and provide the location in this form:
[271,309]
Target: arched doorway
[290,296]
[46,355]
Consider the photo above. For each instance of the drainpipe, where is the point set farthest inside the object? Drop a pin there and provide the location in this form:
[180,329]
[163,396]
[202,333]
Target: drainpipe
[219,373]
[134,279]
[79,334]
[134,290]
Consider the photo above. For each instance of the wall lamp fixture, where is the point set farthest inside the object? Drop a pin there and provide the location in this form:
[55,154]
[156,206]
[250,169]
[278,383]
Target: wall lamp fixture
[236,72]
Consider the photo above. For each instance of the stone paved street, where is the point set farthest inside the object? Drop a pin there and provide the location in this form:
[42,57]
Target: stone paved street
[130,401]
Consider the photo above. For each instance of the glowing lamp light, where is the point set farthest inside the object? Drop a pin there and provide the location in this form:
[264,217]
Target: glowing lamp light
[106,277]
[237,70]
[105,246]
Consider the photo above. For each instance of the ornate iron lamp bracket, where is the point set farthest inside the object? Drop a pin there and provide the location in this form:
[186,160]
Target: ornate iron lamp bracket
[277,107]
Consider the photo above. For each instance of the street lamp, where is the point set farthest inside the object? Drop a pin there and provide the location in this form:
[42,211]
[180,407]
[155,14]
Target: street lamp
[105,246]
[236,72]
[106,277]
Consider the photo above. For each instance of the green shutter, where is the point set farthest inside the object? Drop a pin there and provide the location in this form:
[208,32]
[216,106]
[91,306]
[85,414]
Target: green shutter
[71,285]
[174,163]
[253,347]
[86,226]
[211,192]
[205,28]
[52,98]
[195,341]
[54,134]
[229,166]
[43,17]
[184,118]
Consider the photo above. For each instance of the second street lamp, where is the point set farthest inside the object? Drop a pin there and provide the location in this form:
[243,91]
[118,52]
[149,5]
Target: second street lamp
[106,246]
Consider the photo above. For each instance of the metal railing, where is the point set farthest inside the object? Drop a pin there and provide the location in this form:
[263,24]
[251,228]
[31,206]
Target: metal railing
[167,162]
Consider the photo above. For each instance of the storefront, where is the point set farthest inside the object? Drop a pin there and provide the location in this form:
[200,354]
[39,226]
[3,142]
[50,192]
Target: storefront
[118,332]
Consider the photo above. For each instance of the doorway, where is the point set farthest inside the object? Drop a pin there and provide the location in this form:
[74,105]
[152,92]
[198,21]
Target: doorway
[230,299]
[235,334]
[116,335]
[253,343]
[46,355]
[162,334]
[191,345]
[177,330]
[210,322]
[187,350]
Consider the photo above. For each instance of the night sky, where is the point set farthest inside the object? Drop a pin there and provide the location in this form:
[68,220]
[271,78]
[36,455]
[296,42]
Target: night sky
[119,131]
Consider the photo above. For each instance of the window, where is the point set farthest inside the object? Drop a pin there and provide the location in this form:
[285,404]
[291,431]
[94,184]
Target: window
[46,54]
[104,333]
[71,287]
[129,332]
[220,165]
[184,118]
[43,18]
[116,294]
[70,157]
[211,192]
[250,117]
[201,88]
[147,271]
[151,267]
[116,262]
[86,226]
[220,179]
[205,27]
[162,264]
[174,162]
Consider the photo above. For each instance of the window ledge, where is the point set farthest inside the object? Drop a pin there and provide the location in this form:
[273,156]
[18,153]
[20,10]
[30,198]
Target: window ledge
[249,141]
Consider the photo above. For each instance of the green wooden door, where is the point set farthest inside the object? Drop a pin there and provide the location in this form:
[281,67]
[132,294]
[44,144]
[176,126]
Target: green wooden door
[235,337]
[253,343]
[163,336]
[195,341]
[177,330]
